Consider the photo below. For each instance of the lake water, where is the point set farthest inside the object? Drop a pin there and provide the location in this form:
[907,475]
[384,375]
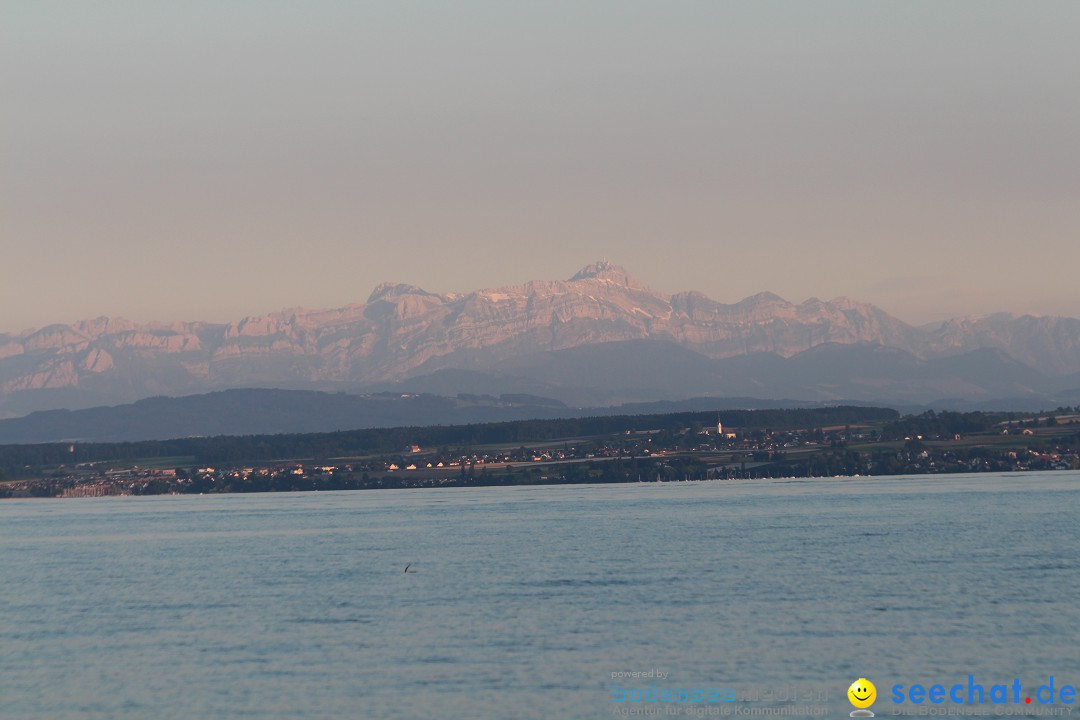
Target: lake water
[524,601]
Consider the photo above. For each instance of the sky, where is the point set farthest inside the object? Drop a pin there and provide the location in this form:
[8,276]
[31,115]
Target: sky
[209,160]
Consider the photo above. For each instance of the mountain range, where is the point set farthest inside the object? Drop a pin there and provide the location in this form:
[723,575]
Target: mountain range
[599,338]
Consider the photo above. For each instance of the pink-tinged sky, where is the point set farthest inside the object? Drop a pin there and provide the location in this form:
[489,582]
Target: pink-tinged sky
[210,160]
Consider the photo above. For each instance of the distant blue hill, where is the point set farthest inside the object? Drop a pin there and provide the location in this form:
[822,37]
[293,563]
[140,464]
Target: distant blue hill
[632,377]
[260,411]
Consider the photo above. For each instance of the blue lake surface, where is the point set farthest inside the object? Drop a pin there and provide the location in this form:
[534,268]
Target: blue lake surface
[524,601]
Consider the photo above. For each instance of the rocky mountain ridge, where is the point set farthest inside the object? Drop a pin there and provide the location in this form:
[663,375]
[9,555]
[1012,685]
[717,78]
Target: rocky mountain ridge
[403,331]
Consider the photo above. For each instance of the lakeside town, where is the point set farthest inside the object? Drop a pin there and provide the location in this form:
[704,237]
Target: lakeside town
[928,444]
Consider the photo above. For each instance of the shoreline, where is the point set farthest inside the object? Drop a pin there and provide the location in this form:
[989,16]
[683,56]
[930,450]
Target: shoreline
[548,483]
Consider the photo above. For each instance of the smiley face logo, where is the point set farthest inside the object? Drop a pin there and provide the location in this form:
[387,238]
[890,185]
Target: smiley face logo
[862,693]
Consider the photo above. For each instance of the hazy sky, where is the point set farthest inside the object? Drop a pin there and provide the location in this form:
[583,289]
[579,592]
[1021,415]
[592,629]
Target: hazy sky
[215,159]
